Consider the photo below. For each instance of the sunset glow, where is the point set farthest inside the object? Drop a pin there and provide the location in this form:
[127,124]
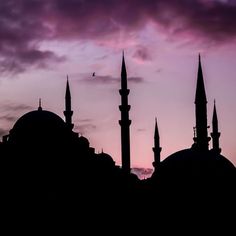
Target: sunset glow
[41,42]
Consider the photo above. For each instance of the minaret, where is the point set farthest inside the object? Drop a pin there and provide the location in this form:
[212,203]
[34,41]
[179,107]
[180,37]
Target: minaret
[215,133]
[201,140]
[68,112]
[156,149]
[125,121]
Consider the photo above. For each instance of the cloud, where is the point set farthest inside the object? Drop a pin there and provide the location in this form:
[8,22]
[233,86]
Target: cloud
[142,54]
[9,112]
[101,79]
[24,24]
[21,29]
[142,173]
[3,132]
[19,60]
[85,120]
[159,70]
[102,57]
[141,130]
[107,79]
[136,80]
[84,126]
[13,107]
[9,118]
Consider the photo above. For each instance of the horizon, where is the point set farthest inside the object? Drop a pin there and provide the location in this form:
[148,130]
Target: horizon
[161,59]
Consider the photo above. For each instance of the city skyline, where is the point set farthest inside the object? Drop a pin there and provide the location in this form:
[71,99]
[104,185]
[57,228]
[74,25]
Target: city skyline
[161,61]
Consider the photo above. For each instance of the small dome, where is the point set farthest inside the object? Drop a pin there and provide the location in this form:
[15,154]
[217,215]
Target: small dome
[106,159]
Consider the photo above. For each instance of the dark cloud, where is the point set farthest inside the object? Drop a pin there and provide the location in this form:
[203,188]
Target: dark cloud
[107,79]
[3,132]
[102,57]
[19,60]
[142,173]
[85,120]
[141,130]
[136,80]
[25,24]
[21,29]
[159,70]
[142,53]
[9,112]
[100,79]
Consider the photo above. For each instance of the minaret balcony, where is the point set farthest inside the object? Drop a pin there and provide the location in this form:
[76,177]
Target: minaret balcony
[124,92]
[125,122]
[124,108]
[68,113]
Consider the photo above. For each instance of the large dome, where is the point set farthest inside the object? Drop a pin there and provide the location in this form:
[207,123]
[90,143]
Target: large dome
[39,118]
[191,158]
[38,124]
[190,165]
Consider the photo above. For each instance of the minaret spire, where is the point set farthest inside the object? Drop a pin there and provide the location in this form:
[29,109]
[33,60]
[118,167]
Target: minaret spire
[215,133]
[68,112]
[123,73]
[200,90]
[125,121]
[40,105]
[201,140]
[156,149]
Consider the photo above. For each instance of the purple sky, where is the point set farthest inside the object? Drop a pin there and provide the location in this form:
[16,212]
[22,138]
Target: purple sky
[42,41]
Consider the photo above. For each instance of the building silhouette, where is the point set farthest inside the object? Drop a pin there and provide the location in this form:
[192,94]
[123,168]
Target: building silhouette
[50,170]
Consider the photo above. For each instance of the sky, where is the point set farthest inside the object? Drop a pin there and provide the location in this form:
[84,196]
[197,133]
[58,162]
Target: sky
[41,42]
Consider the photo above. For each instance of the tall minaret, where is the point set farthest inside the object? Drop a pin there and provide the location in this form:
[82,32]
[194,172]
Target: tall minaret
[68,112]
[215,133]
[201,140]
[125,121]
[156,149]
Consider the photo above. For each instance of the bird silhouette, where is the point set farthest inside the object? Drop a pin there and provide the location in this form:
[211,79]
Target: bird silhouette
[93,74]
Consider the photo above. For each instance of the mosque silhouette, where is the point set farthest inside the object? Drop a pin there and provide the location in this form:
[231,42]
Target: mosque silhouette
[48,169]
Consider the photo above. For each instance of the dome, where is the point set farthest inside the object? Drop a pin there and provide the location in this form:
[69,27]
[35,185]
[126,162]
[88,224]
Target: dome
[38,124]
[106,159]
[193,166]
[38,118]
[191,158]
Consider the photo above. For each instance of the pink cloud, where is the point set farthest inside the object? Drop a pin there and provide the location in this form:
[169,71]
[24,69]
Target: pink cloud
[24,24]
